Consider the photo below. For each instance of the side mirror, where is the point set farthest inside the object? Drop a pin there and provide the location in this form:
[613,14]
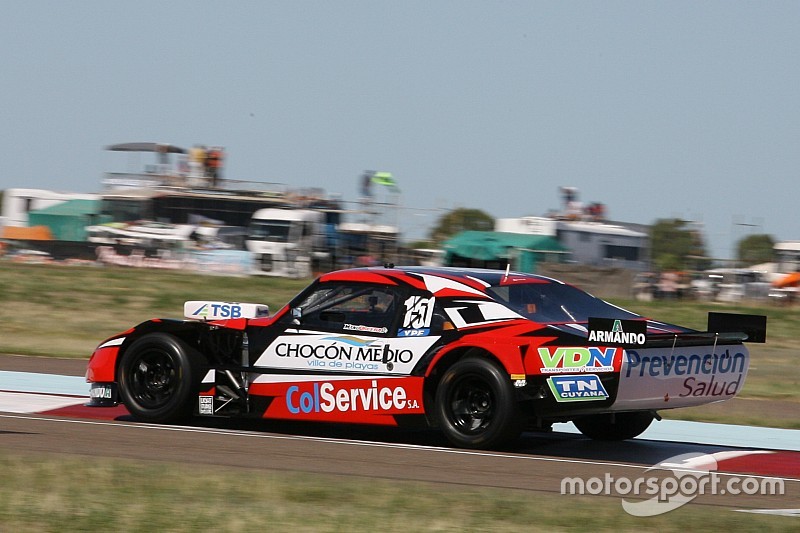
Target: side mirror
[297,315]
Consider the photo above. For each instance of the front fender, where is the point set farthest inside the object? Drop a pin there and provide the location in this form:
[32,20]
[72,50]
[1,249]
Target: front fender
[103,361]
[102,364]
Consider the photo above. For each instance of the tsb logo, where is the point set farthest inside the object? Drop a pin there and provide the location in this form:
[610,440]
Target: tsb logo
[227,311]
[213,311]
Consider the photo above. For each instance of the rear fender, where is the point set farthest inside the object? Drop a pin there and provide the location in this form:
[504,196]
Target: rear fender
[508,356]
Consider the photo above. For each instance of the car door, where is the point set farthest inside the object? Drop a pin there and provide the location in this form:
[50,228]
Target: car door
[354,328]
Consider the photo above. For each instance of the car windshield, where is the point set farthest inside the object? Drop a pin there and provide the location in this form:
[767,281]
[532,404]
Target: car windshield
[554,303]
[270,230]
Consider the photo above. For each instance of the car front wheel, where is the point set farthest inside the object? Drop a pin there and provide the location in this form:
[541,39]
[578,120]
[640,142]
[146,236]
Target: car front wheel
[156,378]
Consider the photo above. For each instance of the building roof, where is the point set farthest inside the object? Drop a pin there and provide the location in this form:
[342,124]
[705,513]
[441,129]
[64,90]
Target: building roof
[600,228]
[488,245]
[70,208]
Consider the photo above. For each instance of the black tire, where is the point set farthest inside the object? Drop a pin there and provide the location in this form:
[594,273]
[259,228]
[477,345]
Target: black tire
[156,378]
[617,426]
[475,405]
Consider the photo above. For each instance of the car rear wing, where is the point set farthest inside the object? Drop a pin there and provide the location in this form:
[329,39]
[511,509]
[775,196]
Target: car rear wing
[723,328]
[753,326]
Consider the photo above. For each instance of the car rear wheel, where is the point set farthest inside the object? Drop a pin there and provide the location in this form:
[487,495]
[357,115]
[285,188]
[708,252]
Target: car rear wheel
[156,375]
[616,426]
[475,405]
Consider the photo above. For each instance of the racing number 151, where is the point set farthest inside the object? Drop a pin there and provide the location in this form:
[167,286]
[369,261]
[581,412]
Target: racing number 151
[419,312]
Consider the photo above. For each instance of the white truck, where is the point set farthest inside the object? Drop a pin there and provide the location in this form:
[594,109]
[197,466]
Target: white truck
[286,242]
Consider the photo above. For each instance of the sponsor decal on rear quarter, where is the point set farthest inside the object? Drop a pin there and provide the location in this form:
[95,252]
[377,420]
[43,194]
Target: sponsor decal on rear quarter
[578,359]
[578,388]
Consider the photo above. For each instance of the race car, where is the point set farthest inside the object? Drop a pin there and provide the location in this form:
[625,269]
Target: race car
[480,354]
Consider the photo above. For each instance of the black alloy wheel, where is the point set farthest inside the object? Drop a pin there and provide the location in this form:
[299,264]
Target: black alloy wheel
[475,404]
[156,377]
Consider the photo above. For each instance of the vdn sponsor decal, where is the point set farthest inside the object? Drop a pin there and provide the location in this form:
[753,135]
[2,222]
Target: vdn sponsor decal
[579,388]
[578,359]
[326,398]
[706,375]
[617,332]
[417,318]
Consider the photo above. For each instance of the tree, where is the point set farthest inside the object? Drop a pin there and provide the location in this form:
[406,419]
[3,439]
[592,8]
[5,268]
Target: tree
[676,246]
[459,220]
[755,249]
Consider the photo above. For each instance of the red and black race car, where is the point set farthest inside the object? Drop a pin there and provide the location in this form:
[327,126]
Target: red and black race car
[480,354]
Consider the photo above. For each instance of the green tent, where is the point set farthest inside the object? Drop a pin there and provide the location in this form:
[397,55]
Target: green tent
[68,220]
[494,249]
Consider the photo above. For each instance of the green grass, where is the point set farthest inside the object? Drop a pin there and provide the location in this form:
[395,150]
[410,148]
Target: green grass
[65,493]
[67,311]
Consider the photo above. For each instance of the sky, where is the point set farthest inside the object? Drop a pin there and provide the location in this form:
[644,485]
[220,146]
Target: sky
[657,109]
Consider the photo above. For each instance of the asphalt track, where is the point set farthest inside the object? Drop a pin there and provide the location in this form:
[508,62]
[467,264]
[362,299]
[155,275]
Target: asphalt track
[57,423]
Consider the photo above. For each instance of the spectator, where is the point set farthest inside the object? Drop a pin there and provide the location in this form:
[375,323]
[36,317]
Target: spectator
[214,165]
[197,161]
[668,285]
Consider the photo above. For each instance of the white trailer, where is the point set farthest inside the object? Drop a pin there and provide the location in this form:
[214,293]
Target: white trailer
[17,203]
